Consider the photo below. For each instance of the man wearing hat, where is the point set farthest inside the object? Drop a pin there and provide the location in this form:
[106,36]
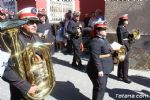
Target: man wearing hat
[44,28]
[100,64]
[123,39]
[75,30]
[27,35]
[2,14]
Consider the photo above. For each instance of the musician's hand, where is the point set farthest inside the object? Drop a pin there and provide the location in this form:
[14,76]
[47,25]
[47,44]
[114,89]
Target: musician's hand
[33,89]
[101,73]
[81,47]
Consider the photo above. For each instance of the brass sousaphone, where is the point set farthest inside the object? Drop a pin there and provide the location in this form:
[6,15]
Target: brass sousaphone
[40,72]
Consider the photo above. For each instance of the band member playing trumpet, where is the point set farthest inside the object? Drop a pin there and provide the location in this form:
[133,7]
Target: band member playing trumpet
[123,39]
[100,64]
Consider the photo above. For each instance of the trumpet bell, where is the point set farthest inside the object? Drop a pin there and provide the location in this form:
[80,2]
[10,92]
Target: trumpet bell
[135,35]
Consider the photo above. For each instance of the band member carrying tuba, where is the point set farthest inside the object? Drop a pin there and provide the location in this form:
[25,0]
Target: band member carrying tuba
[123,39]
[30,58]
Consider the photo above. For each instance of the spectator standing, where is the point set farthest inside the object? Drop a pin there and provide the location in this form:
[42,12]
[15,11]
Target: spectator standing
[44,29]
[68,43]
[98,18]
[75,30]
[59,37]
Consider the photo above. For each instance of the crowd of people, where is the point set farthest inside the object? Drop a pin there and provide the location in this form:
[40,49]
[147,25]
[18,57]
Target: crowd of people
[67,38]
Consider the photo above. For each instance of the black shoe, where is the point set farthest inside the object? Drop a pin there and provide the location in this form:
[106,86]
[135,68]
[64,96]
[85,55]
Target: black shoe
[126,80]
[120,78]
[81,68]
[80,65]
[74,65]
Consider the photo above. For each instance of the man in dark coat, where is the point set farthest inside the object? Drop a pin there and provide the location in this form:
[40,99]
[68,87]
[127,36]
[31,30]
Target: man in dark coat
[10,76]
[27,35]
[74,29]
[44,29]
[100,64]
[123,39]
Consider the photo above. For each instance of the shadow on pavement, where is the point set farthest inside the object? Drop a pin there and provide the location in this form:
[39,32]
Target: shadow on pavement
[67,64]
[146,92]
[61,62]
[141,80]
[125,94]
[136,79]
[67,91]
[113,77]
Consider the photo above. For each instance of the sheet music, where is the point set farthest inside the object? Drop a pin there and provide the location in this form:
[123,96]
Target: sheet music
[115,45]
[46,32]
[4,57]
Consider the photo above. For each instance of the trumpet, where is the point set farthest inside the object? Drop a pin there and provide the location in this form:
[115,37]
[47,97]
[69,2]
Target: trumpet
[135,35]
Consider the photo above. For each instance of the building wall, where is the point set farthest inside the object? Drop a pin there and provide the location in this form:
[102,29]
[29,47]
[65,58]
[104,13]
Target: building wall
[25,3]
[138,11]
[77,5]
[88,6]
[41,4]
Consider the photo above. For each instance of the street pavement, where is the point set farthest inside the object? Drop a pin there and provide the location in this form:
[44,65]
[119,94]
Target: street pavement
[73,84]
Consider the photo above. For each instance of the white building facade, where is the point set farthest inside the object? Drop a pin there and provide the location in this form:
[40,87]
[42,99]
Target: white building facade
[56,9]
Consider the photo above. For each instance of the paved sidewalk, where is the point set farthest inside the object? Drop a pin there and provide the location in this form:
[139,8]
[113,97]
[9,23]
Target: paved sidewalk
[72,84]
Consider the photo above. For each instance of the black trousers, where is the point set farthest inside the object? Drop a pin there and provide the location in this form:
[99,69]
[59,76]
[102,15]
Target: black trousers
[99,85]
[123,67]
[76,52]
[69,46]
[76,57]
[16,94]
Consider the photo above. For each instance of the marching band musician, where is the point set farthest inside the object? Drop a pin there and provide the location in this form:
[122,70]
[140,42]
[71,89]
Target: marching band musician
[123,39]
[10,76]
[27,35]
[100,64]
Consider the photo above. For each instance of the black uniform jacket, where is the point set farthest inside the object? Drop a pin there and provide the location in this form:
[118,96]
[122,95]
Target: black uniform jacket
[100,46]
[41,28]
[123,36]
[72,28]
